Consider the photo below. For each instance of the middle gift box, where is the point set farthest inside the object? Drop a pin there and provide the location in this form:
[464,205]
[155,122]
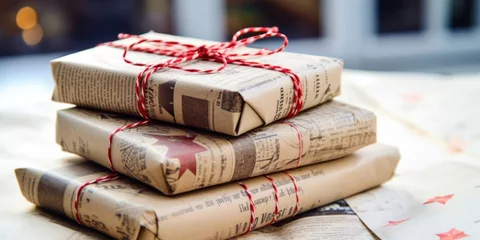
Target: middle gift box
[177,159]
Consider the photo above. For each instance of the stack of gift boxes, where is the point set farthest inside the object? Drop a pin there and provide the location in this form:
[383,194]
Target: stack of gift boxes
[203,140]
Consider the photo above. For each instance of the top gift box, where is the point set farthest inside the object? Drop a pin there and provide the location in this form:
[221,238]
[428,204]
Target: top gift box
[223,87]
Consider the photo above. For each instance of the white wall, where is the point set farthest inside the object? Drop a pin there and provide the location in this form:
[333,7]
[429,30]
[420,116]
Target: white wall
[350,34]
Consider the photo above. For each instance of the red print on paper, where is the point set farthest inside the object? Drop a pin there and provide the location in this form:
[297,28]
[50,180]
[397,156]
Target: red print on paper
[453,234]
[183,148]
[394,223]
[413,97]
[456,144]
[439,199]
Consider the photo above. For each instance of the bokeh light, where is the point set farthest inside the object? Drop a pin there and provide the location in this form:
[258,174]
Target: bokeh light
[26,18]
[53,23]
[33,36]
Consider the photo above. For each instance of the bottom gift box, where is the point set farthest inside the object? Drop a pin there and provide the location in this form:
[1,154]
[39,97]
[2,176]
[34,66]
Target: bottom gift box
[127,209]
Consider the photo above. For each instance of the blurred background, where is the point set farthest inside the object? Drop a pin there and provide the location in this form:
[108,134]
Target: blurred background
[401,35]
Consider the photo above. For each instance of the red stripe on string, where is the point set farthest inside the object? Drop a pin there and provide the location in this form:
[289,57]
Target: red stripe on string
[297,197]
[107,178]
[252,207]
[275,190]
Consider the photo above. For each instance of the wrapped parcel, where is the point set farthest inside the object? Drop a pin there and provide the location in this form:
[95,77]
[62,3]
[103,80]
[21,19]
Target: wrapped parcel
[233,101]
[177,159]
[127,209]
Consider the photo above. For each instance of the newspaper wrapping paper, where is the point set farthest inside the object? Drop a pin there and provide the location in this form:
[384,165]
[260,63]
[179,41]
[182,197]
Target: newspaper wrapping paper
[233,101]
[335,221]
[177,159]
[126,209]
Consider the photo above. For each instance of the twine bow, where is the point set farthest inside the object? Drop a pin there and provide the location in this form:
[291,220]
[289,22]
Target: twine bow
[220,52]
[181,52]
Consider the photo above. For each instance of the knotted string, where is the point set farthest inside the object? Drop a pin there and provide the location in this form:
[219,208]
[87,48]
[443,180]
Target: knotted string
[181,53]
[220,52]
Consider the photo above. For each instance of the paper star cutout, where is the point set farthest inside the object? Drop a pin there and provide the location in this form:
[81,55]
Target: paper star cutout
[453,234]
[439,199]
[394,223]
[183,148]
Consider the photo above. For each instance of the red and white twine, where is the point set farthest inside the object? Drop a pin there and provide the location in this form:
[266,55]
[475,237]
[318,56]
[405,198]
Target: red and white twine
[251,206]
[107,178]
[297,197]
[219,52]
[277,201]
[275,191]
[182,53]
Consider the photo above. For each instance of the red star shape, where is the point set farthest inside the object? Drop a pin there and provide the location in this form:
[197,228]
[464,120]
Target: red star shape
[183,148]
[453,234]
[456,144]
[439,199]
[413,97]
[393,223]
